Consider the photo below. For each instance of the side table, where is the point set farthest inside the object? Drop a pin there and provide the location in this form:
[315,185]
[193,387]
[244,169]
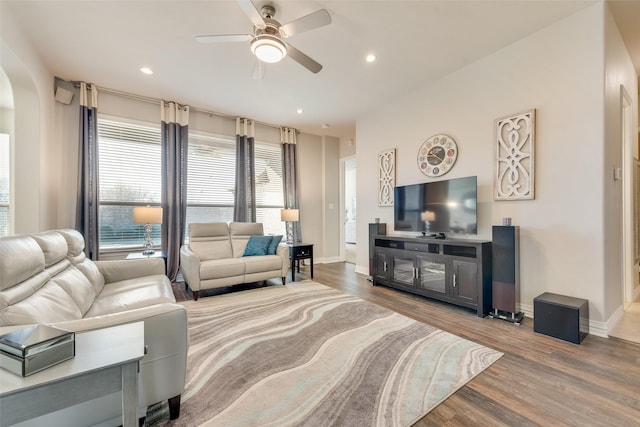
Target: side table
[297,252]
[156,254]
[106,361]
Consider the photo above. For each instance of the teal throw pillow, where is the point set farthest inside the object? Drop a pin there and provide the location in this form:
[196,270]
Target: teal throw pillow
[257,245]
[275,241]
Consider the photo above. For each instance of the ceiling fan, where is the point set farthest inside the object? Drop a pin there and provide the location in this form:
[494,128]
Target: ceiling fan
[268,39]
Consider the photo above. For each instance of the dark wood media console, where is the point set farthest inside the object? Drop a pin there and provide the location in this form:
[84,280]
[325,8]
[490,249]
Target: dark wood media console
[456,271]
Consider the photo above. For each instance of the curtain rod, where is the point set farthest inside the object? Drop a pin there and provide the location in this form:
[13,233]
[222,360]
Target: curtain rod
[152,100]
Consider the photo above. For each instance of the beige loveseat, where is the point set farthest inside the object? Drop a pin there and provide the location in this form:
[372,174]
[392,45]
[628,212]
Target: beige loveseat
[45,278]
[215,258]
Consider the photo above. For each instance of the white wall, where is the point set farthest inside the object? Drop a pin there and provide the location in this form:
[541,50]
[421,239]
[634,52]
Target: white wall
[331,192]
[559,71]
[35,149]
[319,192]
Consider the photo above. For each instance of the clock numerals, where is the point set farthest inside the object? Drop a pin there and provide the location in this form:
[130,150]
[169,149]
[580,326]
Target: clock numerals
[437,155]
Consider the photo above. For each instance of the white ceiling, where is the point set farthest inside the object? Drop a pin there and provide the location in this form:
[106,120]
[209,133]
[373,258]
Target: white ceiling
[106,42]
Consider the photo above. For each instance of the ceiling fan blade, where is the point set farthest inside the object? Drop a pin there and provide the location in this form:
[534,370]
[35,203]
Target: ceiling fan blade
[223,38]
[319,18]
[254,14]
[259,69]
[303,59]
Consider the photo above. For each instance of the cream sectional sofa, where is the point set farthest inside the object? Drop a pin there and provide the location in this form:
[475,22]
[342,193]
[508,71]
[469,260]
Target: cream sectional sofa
[215,258]
[45,278]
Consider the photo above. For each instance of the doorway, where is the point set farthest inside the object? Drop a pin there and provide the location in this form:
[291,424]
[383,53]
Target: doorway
[350,206]
[628,326]
[629,204]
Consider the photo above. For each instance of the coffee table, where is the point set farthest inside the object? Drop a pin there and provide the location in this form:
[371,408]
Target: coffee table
[106,361]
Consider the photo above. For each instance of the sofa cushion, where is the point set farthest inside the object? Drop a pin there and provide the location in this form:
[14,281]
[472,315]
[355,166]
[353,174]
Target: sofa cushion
[217,268]
[75,254]
[76,284]
[210,240]
[53,245]
[273,246]
[257,245]
[131,294]
[20,258]
[49,304]
[262,264]
[240,233]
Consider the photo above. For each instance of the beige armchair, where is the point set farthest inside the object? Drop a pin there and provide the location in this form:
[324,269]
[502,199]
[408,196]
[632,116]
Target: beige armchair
[214,257]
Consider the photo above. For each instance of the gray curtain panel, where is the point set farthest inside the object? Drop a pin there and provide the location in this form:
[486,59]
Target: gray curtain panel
[87,198]
[175,141]
[289,179]
[244,209]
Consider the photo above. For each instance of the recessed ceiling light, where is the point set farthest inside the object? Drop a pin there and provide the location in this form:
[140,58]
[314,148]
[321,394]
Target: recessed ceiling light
[325,126]
[299,111]
[146,70]
[371,57]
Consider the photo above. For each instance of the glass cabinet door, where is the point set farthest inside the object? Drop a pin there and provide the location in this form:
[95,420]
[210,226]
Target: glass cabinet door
[403,271]
[432,275]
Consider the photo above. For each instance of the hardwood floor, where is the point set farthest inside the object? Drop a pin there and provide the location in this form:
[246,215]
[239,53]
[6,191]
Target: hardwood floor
[540,380]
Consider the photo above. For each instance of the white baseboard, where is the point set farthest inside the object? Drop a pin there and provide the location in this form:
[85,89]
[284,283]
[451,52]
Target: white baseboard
[525,309]
[362,270]
[615,318]
[328,260]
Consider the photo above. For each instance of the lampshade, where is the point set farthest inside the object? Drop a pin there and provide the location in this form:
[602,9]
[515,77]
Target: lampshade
[147,215]
[268,48]
[428,216]
[289,215]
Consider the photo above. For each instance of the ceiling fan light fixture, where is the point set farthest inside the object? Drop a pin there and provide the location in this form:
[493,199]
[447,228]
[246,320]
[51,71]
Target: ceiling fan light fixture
[268,48]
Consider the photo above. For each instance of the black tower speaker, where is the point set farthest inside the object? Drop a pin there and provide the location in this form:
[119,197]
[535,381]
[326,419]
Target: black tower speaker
[506,272]
[376,229]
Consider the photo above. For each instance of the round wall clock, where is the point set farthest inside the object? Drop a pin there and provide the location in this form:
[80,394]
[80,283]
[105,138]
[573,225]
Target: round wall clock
[437,155]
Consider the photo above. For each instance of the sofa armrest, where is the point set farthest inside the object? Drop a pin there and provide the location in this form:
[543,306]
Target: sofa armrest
[120,318]
[115,271]
[283,252]
[190,267]
[166,337]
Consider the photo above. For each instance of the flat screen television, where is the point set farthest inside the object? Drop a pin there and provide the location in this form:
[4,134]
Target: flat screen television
[439,207]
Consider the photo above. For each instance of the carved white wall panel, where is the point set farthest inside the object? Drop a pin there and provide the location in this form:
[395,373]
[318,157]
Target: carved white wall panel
[515,166]
[386,176]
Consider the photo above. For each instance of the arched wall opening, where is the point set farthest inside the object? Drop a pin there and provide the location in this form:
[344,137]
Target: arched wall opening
[25,144]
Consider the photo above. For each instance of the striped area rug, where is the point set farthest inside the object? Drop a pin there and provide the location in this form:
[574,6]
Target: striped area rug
[306,354]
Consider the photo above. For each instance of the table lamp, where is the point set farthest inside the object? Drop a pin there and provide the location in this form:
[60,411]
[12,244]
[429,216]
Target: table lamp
[427,217]
[147,215]
[290,216]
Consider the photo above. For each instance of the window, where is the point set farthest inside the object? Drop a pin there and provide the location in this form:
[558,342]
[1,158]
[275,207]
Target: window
[5,185]
[210,179]
[211,182]
[129,156]
[129,175]
[269,189]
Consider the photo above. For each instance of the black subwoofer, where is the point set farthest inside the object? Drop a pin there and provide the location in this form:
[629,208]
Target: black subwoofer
[562,317]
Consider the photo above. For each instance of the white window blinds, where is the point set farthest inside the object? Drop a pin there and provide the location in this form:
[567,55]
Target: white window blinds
[5,185]
[211,171]
[129,162]
[129,169]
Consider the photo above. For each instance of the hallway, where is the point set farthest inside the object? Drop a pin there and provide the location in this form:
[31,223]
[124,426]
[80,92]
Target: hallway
[350,253]
[628,328]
